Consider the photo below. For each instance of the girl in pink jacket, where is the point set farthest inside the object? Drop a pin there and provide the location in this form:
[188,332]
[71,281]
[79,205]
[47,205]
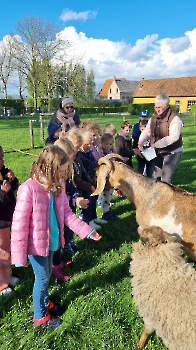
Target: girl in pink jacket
[41,211]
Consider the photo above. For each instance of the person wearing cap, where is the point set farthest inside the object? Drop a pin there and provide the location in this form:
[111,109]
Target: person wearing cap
[164,129]
[66,116]
[143,115]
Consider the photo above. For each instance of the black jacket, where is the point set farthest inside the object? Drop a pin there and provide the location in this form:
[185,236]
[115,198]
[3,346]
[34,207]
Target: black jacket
[124,148]
[82,179]
[7,200]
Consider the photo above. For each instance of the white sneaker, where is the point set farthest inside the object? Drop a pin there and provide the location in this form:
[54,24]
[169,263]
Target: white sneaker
[6,291]
[94,225]
[13,281]
[100,221]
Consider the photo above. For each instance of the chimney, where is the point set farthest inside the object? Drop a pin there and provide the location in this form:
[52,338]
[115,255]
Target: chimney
[114,78]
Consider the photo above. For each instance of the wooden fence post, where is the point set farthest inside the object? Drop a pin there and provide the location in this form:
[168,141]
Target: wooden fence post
[41,127]
[31,133]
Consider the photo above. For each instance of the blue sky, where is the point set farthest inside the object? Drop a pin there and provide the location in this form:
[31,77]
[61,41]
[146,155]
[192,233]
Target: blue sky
[134,40]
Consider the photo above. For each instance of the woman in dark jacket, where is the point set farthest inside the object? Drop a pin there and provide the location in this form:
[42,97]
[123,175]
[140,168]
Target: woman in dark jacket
[66,116]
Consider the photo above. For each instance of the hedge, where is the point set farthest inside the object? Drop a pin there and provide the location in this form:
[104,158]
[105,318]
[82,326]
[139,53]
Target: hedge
[14,103]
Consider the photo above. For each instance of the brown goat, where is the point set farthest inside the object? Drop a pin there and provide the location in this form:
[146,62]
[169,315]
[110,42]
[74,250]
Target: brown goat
[156,203]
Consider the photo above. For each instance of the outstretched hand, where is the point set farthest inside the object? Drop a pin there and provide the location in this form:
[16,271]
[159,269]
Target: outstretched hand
[95,236]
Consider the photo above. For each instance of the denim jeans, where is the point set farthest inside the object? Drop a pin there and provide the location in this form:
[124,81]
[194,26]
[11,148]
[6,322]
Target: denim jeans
[42,267]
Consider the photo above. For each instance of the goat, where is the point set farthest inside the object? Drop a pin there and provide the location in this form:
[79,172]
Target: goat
[164,289]
[156,203]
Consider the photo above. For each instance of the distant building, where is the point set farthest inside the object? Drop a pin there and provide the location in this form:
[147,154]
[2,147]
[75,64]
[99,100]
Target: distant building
[104,91]
[119,89]
[181,91]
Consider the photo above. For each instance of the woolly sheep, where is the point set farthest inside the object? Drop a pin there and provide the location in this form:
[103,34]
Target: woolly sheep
[164,289]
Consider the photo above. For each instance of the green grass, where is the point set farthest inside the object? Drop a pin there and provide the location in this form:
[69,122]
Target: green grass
[98,301]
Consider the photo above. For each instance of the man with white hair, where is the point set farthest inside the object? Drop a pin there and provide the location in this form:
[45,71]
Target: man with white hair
[164,129]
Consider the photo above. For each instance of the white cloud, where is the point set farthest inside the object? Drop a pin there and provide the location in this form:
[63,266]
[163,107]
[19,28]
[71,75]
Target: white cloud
[69,15]
[148,58]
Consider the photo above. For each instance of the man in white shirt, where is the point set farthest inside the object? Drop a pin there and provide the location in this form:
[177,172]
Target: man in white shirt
[164,129]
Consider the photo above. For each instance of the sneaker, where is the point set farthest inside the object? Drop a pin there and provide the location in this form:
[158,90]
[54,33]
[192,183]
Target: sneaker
[100,221]
[108,216]
[67,250]
[74,246]
[94,225]
[47,322]
[55,310]
[6,291]
[117,193]
[59,273]
[14,281]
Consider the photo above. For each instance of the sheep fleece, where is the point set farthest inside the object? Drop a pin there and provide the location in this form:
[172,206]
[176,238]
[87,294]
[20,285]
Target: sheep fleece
[164,289]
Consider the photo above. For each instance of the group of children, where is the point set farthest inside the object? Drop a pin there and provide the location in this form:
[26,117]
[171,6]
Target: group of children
[44,219]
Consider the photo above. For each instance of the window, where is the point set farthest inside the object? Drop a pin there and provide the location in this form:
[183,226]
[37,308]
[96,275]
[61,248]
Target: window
[117,90]
[177,103]
[189,104]
[110,91]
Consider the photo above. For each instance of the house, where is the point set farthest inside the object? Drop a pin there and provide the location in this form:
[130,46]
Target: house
[119,89]
[181,91]
[104,91]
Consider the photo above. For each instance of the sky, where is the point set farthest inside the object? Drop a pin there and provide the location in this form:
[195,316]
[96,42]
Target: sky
[131,40]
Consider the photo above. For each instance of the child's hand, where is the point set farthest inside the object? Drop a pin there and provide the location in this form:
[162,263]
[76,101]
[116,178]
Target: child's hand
[92,189]
[95,236]
[137,152]
[6,187]
[11,175]
[82,203]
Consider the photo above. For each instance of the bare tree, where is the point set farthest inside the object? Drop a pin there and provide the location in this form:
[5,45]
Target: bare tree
[6,60]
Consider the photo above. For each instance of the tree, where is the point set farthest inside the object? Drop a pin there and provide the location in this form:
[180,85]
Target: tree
[36,44]
[6,60]
[90,86]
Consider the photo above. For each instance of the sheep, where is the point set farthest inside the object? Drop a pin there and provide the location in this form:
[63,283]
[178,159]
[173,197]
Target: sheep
[156,203]
[164,289]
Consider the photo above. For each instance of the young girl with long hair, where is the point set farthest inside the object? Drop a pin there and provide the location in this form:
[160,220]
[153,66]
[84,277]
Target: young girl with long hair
[41,211]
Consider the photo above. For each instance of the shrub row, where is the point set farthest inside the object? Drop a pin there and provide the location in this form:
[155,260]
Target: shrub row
[134,109]
[14,103]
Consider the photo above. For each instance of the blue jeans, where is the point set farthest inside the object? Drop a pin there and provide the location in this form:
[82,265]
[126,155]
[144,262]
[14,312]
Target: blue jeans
[42,267]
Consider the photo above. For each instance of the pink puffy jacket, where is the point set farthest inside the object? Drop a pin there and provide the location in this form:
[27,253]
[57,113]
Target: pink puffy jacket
[30,225]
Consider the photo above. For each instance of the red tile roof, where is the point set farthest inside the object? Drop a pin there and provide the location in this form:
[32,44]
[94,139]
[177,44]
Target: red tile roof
[185,86]
[106,86]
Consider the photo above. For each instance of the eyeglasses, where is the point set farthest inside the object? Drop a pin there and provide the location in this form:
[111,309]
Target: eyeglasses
[71,107]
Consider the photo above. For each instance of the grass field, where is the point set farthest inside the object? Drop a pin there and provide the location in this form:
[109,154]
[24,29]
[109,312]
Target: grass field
[98,301]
